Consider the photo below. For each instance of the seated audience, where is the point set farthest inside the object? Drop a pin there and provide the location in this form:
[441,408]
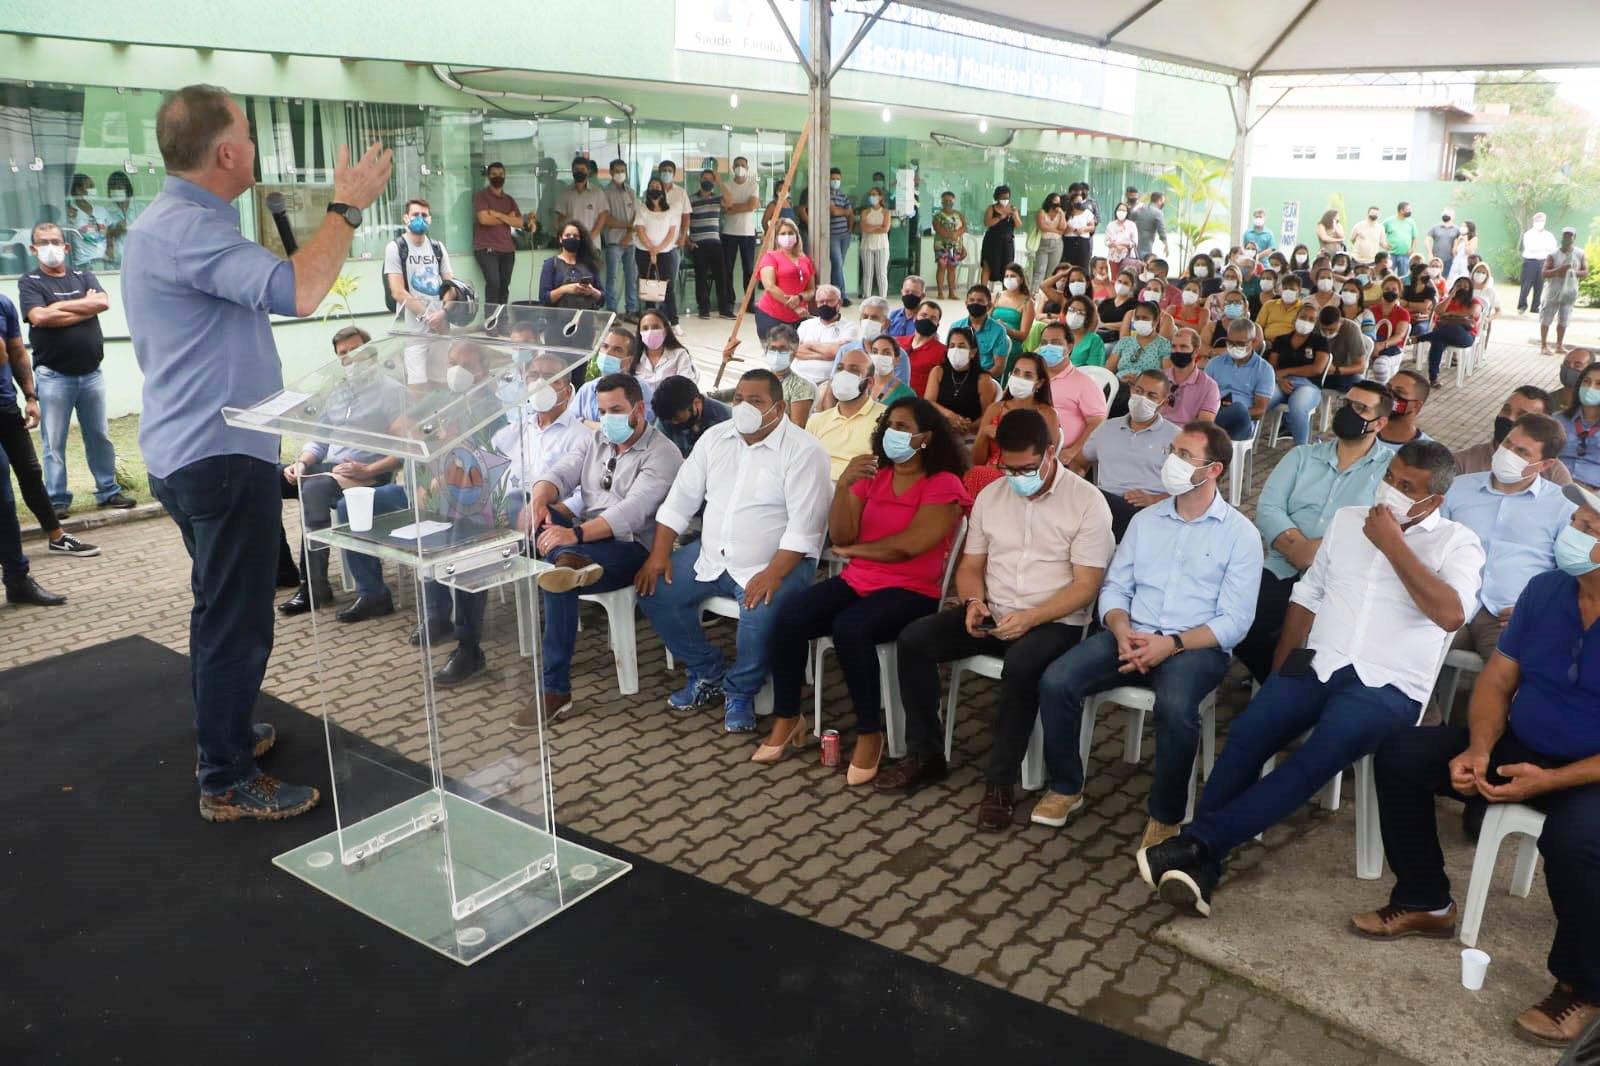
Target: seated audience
[663,355]
[763,484]
[1129,451]
[847,424]
[1299,360]
[1410,390]
[1245,383]
[1366,630]
[1079,400]
[1347,346]
[1035,554]
[819,337]
[1027,389]
[1580,421]
[1302,494]
[1277,316]
[1112,309]
[1532,737]
[1517,514]
[1393,330]
[1177,598]
[958,387]
[1195,397]
[1455,325]
[683,414]
[994,339]
[619,354]
[902,321]
[623,471]
[893,519]
[1524,400]
[924,347]
[1573,364]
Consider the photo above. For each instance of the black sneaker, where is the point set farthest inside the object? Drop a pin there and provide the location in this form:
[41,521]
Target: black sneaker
[464,662]
[1180,850]
[120,502]
[1189,887]
[260,797]
[70,545]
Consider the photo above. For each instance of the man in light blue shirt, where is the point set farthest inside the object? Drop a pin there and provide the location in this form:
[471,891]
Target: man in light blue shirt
[1258,233]
[197,294]
[1299,500]
[994,343]
[1517,513]
[1177,598]
[1245,382]
[902,321]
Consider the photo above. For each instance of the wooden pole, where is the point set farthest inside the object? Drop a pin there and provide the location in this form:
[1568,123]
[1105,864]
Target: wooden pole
[766,246]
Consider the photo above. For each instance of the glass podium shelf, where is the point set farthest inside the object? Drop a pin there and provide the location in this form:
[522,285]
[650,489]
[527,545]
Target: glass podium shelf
[439,836]
[447,549]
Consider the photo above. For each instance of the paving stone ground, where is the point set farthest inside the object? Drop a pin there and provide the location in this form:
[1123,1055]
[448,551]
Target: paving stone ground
[1058,916]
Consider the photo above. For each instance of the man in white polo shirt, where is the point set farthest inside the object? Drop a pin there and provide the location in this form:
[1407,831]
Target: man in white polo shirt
[1129,451]
[821,336]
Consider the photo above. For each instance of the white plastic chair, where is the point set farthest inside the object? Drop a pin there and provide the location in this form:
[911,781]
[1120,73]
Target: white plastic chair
[724,607]
[1241,470]
[1107,381]
[1456,663]
[1500,821]
[894,712]
[619,606]
[1139,701]
[991,666]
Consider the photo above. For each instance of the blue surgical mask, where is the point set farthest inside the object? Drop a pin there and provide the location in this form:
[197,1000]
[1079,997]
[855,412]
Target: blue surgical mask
[1589,396]
[418,224]
[510,393]
[1361,279]
[617,428]
[1233,310]
[1052,354]
[778,359]
[1573,550]
[1026,485]
[609,364]
[897,445]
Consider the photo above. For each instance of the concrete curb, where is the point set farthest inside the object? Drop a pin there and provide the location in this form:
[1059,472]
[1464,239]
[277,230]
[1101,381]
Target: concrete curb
[97,519]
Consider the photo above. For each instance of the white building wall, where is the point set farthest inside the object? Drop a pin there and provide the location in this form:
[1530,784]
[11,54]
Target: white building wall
[1342,143]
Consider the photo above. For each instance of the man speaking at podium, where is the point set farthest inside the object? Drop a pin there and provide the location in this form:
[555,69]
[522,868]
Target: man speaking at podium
[197,294]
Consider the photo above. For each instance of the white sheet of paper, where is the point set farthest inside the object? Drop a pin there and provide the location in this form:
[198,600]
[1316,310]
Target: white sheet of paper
[418,530]
[280,404]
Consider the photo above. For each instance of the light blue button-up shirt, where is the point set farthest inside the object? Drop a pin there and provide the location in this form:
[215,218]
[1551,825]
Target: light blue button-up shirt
[196,294]
[1242,381]
[1392,448]
[1307,487]
[994,343]
[1581,453]
[1170,575]
[1518,531]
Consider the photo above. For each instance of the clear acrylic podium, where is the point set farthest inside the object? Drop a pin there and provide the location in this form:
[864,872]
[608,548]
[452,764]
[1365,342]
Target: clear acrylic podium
[446,825]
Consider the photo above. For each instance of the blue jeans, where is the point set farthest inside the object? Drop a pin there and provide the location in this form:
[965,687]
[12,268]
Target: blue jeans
[227,508]
[13,564]
[1347,720]
[674,611]
[1302,404]
[1449,335]
[59,396]
[1401,265]
[1180,683]
[367,570]
[620,560]
[1235,418]
[838,245]
[622,279]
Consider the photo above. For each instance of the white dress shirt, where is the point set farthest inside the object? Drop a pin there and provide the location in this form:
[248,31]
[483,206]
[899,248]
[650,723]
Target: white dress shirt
[815,331]
[1365,616]
[759,499]
[532,450]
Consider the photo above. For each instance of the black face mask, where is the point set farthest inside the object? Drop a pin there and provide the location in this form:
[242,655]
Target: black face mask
[654,198]
[909,301]
[497,181]
[1390,297]
[977,310]
[1347,425]
[707,186]
[1182,359]
[926,327]
[571,244]
[580,175]
[827,313]
[1502,428]
[1569,377]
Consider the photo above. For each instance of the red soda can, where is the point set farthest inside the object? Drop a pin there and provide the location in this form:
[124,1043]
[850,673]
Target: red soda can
[830,747]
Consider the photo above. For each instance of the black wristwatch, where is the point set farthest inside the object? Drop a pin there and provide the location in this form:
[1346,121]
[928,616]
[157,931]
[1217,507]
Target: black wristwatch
[1177,642]
[350,214]
[577,530]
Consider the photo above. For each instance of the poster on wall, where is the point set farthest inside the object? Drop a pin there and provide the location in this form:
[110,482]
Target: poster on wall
[1289,237]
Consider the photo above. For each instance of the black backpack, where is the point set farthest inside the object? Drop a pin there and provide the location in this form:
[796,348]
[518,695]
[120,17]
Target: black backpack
[401,245]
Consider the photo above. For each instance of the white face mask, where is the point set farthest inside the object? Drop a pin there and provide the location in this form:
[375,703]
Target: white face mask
[1011,282]
[1266,285]
[883,365]
[1303,327]
[1142,408]
[960,358]
[1324,284]
[458,379]
[871,329]
[1291,296]
[1507,466]
[1074,320]
[1238,352]
[845,385]
[1349,298]
[1020,388]
[1005,201]
[1202,271]
[1145,275]
[1190,298]
[1150,296]
[1177,476]
[1399,503]
[1077,288]
[740,172]
[1143,327]
[748,418]
[52,255]
[1229,285]
[544,399]
[1123,291]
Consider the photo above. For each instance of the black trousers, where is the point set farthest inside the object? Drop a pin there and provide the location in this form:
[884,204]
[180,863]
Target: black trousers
[1532,282]
[943,637]
[1272,604]
[496,267]
[857,624]
[744,250]
[665,262]
[1122,513]
[17,441]
[1413,767]
[710,273]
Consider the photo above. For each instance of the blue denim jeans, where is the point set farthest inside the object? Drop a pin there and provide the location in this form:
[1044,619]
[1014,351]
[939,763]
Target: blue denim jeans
[59,396]
[1235,419]
[674,611]
[620,559]
[1302,404]
[1180,683]
[622,279]
[838,245]
[1449,335]
[227,508]
[367,570]
[1347,720]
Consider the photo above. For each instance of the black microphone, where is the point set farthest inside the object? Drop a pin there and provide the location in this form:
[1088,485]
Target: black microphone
[280,217]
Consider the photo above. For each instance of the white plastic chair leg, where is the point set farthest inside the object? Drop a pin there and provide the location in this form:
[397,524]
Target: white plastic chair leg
[894,713]
[1527,862]
[950,704]
[815,661]
[1369,835]
[1133,734]
[1033,759]
[620,620]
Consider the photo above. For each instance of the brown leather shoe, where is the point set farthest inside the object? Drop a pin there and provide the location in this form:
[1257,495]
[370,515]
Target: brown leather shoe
[558,707]
[997,809]
[911,773]
[1393,923]
[1558,1019]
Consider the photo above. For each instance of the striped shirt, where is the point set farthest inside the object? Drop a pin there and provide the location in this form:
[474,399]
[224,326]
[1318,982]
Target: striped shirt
[705,218]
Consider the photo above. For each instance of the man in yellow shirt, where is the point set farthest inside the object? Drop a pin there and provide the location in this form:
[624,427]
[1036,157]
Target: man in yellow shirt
[845,428]
[1276,316]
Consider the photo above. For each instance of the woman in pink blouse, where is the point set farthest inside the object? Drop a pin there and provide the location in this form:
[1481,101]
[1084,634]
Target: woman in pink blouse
[788,280]
[894,519]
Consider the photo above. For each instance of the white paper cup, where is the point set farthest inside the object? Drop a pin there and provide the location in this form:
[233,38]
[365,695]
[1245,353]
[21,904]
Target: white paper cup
[1474,964]
[358,503]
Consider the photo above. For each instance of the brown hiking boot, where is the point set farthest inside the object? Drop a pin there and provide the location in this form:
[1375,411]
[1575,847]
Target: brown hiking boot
[1558,1019]
[1393,923]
